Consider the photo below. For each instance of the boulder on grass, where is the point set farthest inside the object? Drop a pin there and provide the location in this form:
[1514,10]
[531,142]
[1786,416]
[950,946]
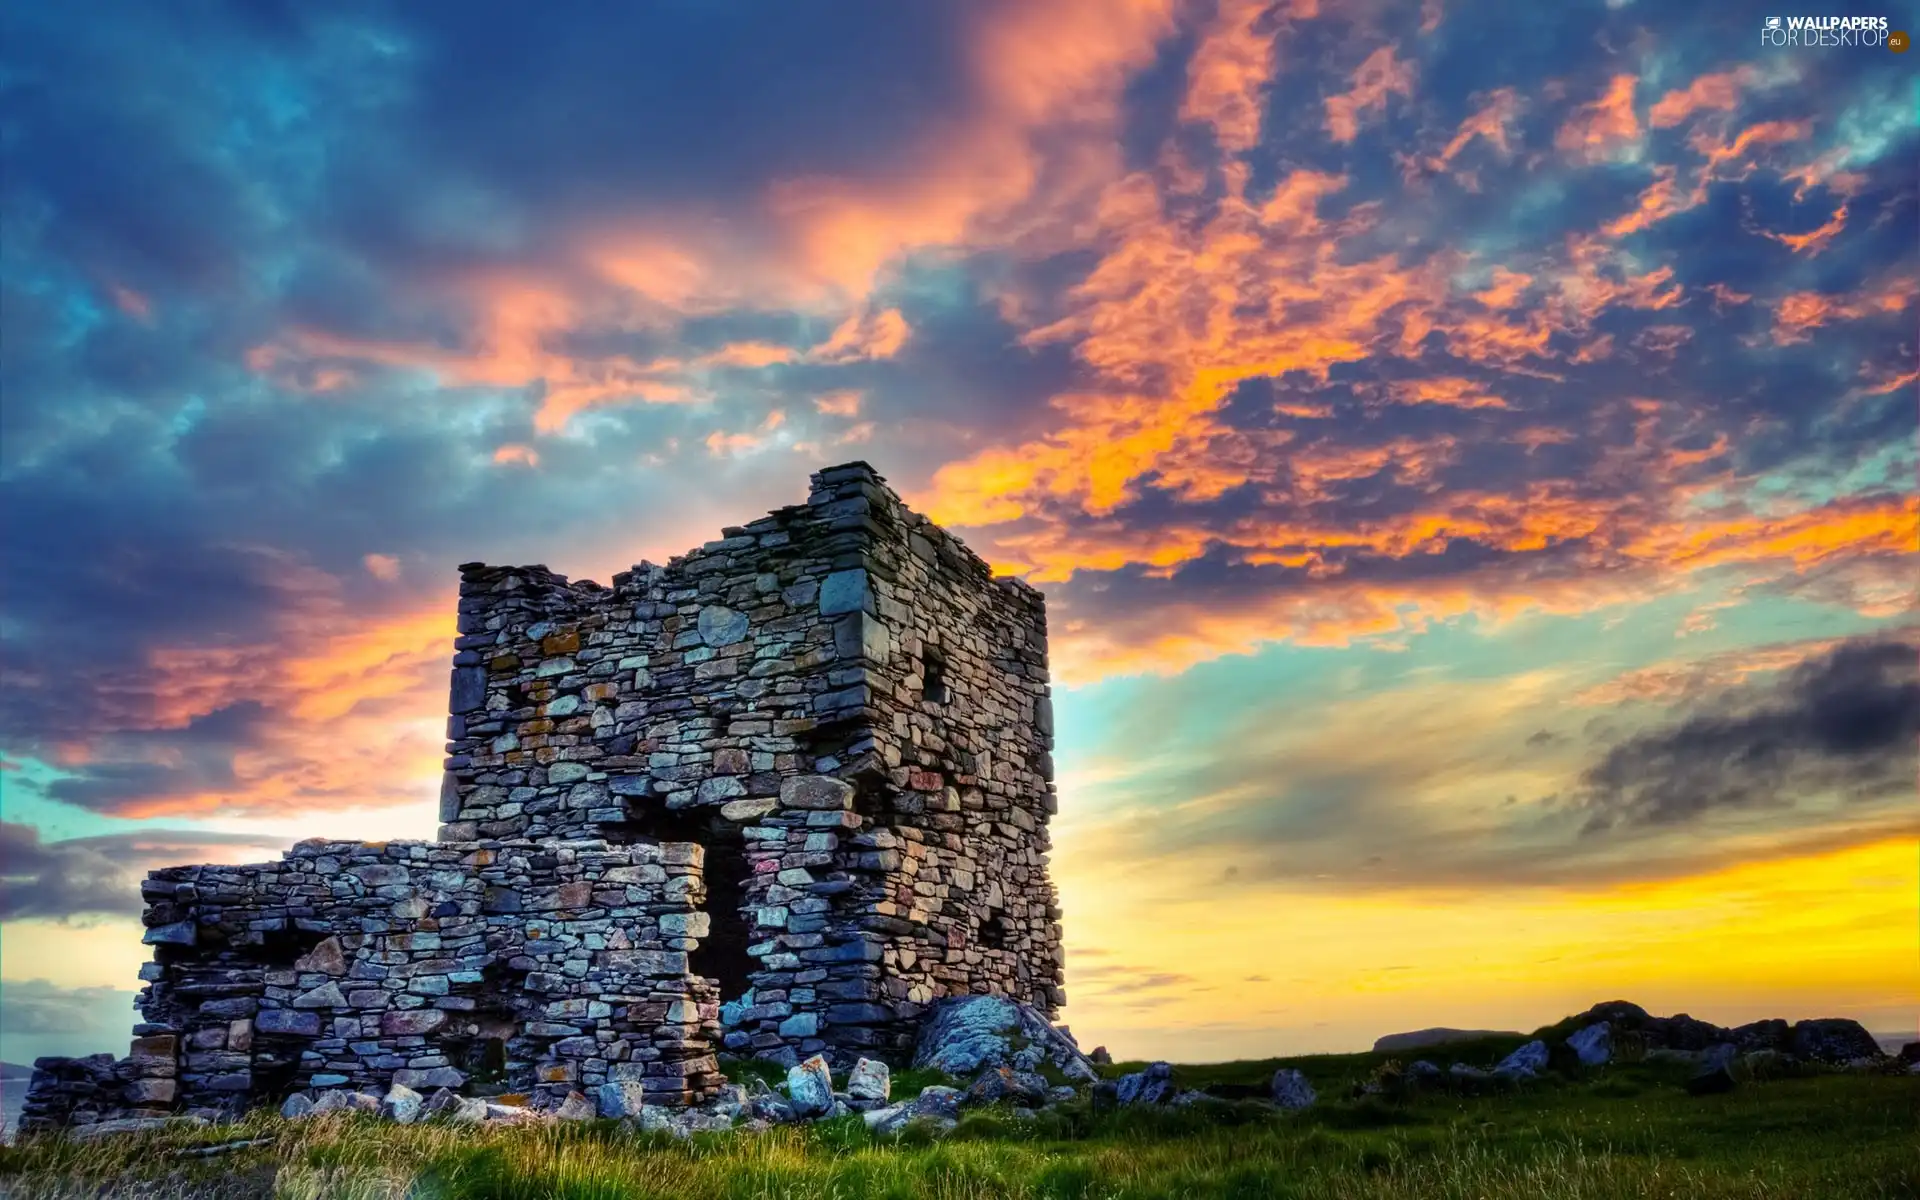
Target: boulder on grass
[621,1100]
[1524,1063]
[576,1107]
[1291,1090]
[401,1105]
[810,1088]
[1720,1070]
[962,1034]
[1151,1086]
[1593,1045]
[1835,1040]
[868,1084]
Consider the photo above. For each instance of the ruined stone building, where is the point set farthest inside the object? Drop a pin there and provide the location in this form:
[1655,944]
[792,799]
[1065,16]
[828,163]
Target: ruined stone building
[774,797]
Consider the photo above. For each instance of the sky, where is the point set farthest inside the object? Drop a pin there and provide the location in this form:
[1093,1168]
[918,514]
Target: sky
[1468,451]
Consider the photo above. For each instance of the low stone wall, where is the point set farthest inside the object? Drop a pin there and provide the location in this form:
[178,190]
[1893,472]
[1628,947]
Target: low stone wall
[490,966]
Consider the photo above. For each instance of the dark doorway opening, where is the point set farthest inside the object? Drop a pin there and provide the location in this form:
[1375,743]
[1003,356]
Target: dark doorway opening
[722,955]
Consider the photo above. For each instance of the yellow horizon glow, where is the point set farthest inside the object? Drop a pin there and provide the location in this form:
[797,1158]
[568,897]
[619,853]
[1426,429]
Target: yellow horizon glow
[1824,934]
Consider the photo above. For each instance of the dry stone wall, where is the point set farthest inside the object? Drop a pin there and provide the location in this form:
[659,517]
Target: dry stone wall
[533,967]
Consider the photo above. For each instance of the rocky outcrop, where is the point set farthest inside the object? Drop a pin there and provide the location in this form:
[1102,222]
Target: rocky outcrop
[1829,1040]
[961,1035]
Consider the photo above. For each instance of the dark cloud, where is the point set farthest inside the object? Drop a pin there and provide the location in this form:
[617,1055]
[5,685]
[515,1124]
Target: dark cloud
[93,876]
[1845,723]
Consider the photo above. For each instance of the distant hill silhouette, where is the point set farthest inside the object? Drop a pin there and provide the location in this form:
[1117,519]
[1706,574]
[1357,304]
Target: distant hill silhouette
[15,1071]
[1420,1039]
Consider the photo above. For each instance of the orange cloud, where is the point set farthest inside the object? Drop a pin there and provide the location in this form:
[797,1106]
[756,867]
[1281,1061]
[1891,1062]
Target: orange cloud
[1597,130]
[1490,121]
[722,444]
[864,336]
[382,566]
[1716,92]
[1813,241]
[1377,79]
[1233,63]
[1448,391]
[838,404]
[516,453]
[1798,313]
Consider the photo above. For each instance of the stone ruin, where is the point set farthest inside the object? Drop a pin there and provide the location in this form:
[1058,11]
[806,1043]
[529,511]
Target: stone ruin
[771,799]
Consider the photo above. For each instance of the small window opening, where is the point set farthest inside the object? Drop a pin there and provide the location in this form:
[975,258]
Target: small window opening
[933,674]
[276,949]
[993,933]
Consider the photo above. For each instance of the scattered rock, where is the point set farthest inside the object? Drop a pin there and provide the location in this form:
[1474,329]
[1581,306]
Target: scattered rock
[1100,1057]
[810,1088]
[1291,1090]
[296,1106]
[1524,1063]
[621,1100]
[868,1084]
[1594,1044]
[401,1105]
[1422,1071]
[470,1110]
[1151,1086]
[576,1107]
[937,1101]
[1467,1078]
[1721,1068]
[103,1129]
[936,1107]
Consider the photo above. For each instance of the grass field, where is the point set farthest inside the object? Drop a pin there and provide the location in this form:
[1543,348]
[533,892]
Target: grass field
[1628,1132]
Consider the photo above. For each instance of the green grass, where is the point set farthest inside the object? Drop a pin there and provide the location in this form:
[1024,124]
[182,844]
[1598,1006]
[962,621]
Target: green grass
[1625,1133]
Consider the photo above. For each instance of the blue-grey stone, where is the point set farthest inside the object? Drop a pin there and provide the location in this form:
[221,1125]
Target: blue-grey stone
[631,785]
[858,635]
[180,933]
[619,1101]
[1291,1089]
[469,690]
[810,1087]
[449,797]
[567,772]
[287,1022]
[718,789]
[721,626]
[845,592]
